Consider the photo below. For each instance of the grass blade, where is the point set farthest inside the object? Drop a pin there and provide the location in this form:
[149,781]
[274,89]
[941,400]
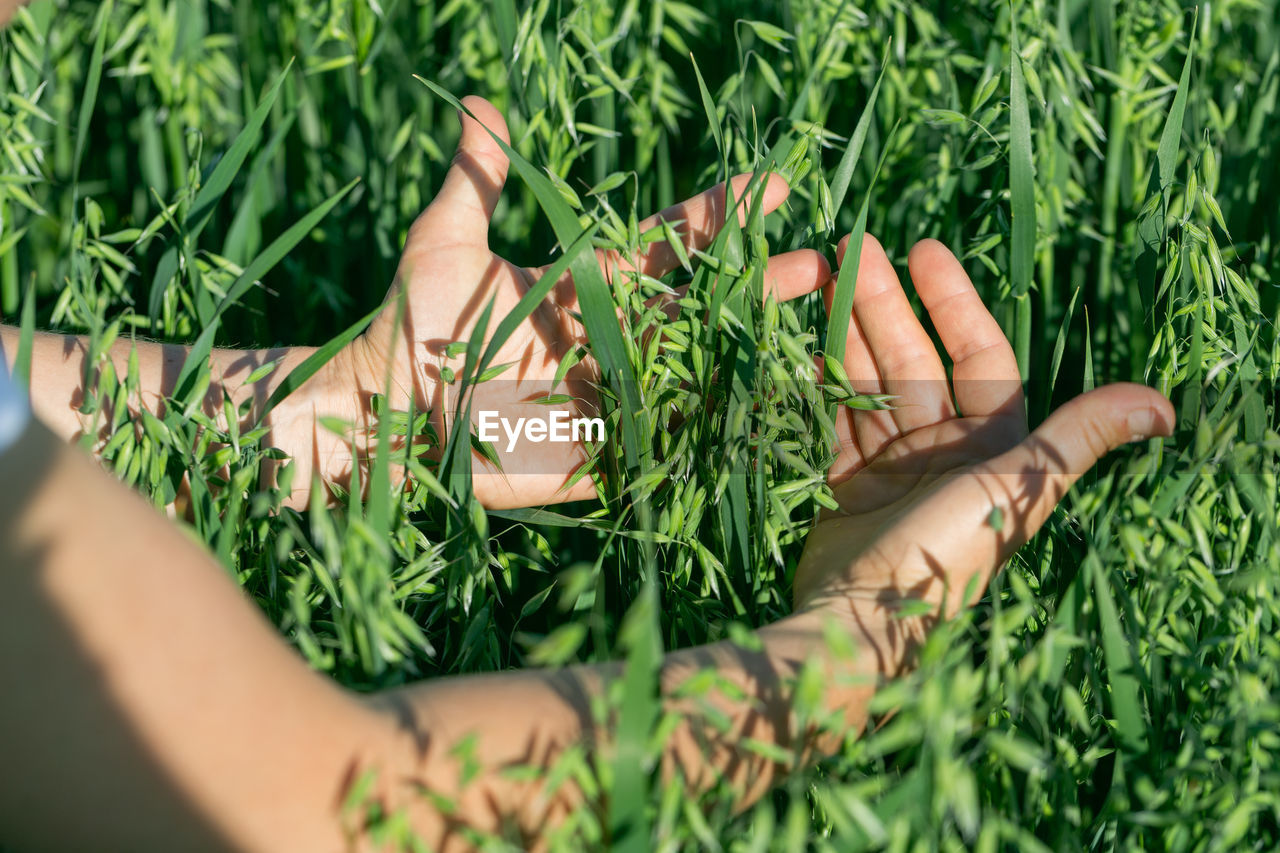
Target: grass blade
[709,107]
[1167,152]
[26,334]
[1126,703]
[842,301]
[853,153]
[261,265]
[213,190]
[1059,346]
[642,639]
[90,98]
[1022,190]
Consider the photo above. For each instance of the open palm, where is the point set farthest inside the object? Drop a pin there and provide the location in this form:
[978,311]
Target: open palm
[450,275]
[938,492]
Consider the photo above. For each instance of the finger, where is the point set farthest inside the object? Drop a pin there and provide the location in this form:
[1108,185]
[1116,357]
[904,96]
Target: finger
[856,429]
[985,372]
[866,432]
[905,356]
[698,220]
[793,274]
[473,184]
[786,276]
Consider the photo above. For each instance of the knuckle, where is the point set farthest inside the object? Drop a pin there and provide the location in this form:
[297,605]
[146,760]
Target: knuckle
[1097,437]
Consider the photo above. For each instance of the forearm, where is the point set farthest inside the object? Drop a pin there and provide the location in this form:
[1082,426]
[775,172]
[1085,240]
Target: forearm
[124,709]
[531,718]
[59,371]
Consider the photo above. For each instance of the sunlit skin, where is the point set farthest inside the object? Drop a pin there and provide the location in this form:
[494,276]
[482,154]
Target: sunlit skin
[145,660]
[450,274]
[7,8]
[148,705]
[447,274]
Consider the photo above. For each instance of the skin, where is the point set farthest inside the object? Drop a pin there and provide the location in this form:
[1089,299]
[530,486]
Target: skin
[173,713]
[150,702]
[447,274]
[7,8]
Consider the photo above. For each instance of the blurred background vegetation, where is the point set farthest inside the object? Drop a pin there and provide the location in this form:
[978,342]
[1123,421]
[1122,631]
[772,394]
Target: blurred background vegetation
[1115,690]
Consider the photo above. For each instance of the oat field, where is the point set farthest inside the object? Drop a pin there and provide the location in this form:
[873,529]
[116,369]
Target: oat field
[248,170]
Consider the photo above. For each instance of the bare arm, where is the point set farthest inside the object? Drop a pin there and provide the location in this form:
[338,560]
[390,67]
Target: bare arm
[59,369]
[147,704]
[59,372]
[519,719]
[147,698]
[446,274]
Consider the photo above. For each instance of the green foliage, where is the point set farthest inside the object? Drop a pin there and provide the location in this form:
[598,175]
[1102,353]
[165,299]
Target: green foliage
[1112,184]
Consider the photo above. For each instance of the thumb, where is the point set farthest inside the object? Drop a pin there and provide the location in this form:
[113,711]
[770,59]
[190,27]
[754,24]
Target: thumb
[1085,429]
[1025,483]
[473,185]
[1070,442]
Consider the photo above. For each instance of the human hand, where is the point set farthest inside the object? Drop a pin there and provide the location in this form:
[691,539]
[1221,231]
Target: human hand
[449,274]
[940,491]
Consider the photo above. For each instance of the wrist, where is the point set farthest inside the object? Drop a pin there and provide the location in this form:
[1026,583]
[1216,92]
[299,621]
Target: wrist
[341,392]
[386,364]
[296,425]
[879,632]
